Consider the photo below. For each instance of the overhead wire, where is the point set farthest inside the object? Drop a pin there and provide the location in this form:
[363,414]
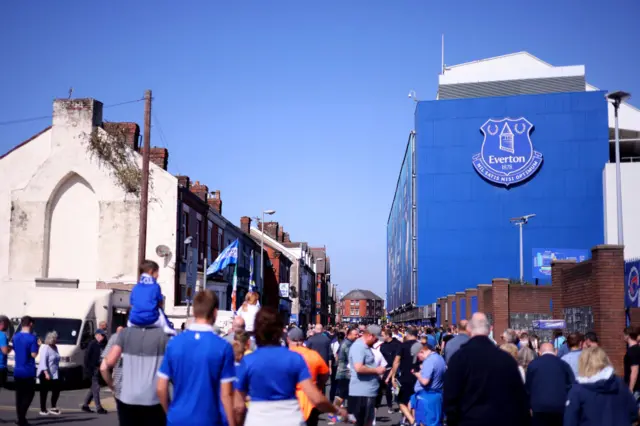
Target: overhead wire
[43,117]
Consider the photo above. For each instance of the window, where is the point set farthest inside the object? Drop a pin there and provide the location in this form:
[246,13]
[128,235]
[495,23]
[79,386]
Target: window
[200,240]
[209,248]
[184,234]
[220,239]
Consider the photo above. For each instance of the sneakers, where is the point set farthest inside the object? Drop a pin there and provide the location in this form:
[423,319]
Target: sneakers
[390,411]
[101,411]
[43,413]
[54,411]
[86,409]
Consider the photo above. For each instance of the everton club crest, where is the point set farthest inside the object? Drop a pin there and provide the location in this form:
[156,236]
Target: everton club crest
[507,156]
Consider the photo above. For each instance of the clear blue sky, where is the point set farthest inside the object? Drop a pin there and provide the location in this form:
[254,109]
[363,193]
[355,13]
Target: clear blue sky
[299,106]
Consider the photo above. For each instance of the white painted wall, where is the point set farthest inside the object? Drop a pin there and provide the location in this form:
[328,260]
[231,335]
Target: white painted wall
[64,216]
[630,173]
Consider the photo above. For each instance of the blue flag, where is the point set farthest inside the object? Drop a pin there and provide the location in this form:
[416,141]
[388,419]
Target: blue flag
[229,256]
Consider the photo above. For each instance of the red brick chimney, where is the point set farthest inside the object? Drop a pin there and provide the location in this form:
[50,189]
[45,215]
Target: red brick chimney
[184,181]
[245,224]
[159,157]
[200,190]
[215,201]
[271,229]
[131,132]
[281,234]
[285,237]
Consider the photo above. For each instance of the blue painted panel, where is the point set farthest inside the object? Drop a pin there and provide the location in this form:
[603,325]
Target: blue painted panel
[474,304]
[464,237]
[453,312]
[463,309]
[438,316]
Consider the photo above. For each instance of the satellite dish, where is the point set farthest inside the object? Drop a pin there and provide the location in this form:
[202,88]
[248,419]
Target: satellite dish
[163,251]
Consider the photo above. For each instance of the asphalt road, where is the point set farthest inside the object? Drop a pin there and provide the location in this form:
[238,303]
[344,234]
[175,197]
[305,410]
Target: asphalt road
[71,401]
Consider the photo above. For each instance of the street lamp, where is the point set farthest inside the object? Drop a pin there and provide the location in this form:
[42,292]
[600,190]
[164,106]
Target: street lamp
[269,212]
[616,99]
[520,222]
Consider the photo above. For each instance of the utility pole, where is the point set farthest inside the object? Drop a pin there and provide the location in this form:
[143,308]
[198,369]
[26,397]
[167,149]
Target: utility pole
[144,186]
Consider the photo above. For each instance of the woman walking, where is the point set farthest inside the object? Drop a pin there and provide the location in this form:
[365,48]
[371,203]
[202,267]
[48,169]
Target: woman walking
[269,377]
[48,374]
[249,309]
[599,397]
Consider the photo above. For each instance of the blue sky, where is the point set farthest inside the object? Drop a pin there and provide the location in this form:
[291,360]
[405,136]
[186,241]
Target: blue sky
[298,106]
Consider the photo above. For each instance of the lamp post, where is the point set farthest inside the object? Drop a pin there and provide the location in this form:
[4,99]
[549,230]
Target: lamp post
[269,212]
[520,222]
[616,99]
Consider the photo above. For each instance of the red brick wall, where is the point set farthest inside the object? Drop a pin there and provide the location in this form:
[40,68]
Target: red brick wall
[500,293]
[469,293]
[459,297]
[598,283]
[485,299]
[529,299]
[450,299]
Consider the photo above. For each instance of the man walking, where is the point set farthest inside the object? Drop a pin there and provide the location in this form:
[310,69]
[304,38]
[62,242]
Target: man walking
[142,351]
[320,343]
[25,348]
[343,374]
[405,364]
[200,365]
[483,386]
[454,344]
[317,368]
[364,382]
[390,350]
[91,371]
[4,350]
[548,382]
[574,342]
[632,361]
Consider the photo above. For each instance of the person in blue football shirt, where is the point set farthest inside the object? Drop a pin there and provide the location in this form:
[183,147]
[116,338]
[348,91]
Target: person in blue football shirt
[25,348]
[429,384]
[146,300]
[269,377]
[200,365]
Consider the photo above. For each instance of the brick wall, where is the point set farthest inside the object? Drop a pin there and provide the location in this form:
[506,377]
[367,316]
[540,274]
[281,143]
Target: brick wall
[450,299]
[459,296]
[594,287]
[530,299]
[469,294]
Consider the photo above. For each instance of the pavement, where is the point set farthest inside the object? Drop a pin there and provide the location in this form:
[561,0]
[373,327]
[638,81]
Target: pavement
[71,400]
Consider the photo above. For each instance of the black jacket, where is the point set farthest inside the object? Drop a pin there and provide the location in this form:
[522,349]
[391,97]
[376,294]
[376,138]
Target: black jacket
[321,344]
[548,382]
[92,358]
[483,387]
[601,400]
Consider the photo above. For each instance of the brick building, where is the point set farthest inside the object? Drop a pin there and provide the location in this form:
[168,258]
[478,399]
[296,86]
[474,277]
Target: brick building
[362,306]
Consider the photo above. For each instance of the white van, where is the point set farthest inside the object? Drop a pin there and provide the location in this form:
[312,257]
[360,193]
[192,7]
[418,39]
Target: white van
[75,315]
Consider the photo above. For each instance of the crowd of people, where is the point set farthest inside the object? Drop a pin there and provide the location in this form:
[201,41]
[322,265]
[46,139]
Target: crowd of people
[262,373]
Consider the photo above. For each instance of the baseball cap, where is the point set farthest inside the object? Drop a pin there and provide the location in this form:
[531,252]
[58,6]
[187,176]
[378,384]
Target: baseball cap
[295,335]
[375,330]
[101,332]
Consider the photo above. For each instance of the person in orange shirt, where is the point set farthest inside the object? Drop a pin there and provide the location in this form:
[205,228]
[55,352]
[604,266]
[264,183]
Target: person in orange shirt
[317,368]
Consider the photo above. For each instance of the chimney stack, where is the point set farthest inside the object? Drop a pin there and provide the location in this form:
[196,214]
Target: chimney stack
[184,181]
[215,201]
[285,237]
[130,131]
[200,190]
[245,224]
[271,229]
[159,157]
[281,234]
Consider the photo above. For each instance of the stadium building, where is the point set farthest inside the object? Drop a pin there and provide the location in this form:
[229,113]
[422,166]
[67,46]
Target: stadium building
[507,137]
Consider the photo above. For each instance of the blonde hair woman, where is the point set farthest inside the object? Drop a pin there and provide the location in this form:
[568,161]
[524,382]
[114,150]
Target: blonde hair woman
[249,309]
[599,397]
[48,368]
[512,350]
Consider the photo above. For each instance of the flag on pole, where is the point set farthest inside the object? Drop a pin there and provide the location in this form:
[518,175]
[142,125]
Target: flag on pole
[252,283]
[229,256]
[235,287]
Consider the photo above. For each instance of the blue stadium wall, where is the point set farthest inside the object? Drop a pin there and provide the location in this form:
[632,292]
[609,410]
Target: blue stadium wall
[464,237]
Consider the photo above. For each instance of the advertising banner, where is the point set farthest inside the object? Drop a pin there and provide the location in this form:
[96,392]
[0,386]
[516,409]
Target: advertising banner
[631,284]
[542,258]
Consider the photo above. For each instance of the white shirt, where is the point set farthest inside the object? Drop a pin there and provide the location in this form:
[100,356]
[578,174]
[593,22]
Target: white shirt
[377,355]
[249,316]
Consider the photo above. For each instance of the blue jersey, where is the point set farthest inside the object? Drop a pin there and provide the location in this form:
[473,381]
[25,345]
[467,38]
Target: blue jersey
[197,361]
[145,301]
[24,344]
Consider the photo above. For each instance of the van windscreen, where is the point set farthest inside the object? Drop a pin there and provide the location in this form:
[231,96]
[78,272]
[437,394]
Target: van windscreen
[68,329]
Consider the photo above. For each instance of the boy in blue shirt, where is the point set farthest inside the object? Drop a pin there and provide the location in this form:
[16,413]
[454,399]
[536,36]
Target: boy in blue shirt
[25,348]
[201,367]
[147,300]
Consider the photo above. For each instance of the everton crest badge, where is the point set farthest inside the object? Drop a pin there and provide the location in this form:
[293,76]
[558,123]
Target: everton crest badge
[507,156]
